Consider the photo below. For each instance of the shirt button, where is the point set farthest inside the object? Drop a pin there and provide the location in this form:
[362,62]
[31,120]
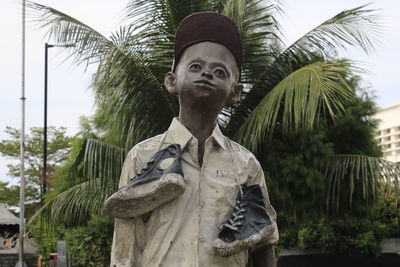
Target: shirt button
[201,239]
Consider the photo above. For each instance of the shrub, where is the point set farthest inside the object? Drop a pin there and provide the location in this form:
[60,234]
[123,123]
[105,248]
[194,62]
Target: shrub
[348,234]
[91,246]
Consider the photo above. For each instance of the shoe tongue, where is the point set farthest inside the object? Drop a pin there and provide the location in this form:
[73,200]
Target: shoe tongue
[251,192]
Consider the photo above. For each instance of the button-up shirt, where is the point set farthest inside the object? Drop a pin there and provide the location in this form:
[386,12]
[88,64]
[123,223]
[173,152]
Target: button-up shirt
[181,232]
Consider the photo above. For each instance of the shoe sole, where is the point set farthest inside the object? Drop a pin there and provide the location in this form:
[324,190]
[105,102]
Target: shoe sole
[140,199]
[228,249]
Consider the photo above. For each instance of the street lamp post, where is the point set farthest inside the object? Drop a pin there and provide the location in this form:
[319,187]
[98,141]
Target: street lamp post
[44,174]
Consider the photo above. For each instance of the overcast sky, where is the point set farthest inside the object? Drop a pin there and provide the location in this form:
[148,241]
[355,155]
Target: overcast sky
[69,93]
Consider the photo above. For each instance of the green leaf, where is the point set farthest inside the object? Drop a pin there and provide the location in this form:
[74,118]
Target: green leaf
[74,206]
[299,98]
[359,172]
[354,27]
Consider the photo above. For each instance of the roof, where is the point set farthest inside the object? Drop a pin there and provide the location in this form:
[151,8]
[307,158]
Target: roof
[6,217]
[389,107]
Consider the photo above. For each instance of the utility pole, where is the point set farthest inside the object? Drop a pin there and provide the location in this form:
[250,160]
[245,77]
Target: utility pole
[21,262]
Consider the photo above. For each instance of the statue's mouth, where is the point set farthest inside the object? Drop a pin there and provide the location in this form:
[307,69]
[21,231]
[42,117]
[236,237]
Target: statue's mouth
[204,82]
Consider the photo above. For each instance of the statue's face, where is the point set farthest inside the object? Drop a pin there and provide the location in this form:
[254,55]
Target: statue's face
[206,74]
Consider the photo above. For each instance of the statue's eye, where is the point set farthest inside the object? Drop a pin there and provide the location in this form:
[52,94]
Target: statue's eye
[195,66]
[220,72]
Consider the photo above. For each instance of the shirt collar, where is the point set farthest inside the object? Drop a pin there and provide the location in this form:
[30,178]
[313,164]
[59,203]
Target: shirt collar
[218,136]
[178,134]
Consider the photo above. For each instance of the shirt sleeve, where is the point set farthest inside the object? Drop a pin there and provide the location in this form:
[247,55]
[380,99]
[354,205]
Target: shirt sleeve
[123,239]
[256,176]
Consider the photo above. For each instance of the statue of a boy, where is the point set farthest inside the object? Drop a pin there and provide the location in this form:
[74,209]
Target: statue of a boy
[192,197]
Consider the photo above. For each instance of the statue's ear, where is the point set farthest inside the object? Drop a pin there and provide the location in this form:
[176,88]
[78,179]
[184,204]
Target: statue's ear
[170,83]
[235,94]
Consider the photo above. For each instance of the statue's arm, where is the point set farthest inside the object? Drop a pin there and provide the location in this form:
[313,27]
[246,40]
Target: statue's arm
[263,257]
[123,239]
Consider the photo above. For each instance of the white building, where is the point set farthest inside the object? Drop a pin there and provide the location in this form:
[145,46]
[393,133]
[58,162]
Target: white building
[388,134]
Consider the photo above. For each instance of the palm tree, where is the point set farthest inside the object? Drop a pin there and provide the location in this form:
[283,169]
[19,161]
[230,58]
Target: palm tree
[287,88]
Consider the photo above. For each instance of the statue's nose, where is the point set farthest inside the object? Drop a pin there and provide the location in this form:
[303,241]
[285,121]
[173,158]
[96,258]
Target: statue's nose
[207,73]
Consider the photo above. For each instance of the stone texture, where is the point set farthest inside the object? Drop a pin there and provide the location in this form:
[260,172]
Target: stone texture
[9,260]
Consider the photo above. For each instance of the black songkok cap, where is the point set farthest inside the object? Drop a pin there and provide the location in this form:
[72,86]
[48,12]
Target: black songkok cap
[208,26]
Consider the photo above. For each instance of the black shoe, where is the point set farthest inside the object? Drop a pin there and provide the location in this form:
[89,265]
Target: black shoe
[248,225]
[159,182]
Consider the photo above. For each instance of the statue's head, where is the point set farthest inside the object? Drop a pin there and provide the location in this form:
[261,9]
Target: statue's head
[207,60]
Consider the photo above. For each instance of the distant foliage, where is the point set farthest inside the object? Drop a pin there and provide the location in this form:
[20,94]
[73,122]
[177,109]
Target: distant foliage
[91,246]
[59,146]
[348,235]
[87,246]
[46,241]
[294,165]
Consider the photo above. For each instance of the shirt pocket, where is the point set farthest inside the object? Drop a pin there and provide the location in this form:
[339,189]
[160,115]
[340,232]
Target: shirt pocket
[220,196]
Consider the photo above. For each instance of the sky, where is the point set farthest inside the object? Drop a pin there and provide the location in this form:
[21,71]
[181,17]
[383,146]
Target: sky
[69,93]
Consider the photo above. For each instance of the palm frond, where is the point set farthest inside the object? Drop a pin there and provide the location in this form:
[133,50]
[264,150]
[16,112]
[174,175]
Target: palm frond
[258,29]
[130,90]
[74,206]
[127,84]
[166,14]
[85,43]
[103,161]
[235,9]
[354,27]
[299,98]
[101,165]
[348,173]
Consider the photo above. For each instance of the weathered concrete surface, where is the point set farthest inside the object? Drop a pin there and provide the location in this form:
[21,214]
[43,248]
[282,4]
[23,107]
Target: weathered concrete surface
[295,257]
[329,260]
[9,260]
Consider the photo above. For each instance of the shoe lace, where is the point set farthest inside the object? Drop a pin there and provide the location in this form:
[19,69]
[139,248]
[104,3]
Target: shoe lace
[237,216]
[143,170]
